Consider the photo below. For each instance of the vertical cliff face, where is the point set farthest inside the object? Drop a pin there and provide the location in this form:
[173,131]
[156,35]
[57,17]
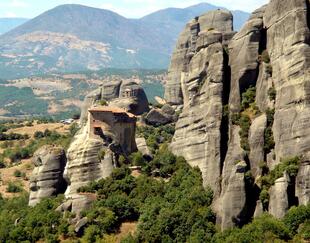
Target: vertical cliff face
[211,28]
[289,50]
[202,81]
[245,100]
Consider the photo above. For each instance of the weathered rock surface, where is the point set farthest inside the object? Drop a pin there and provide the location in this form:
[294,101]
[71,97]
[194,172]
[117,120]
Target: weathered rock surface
[80,225]
[256,142]
[243,59]
[163,116]
[303,183]
[195,33]
[89,100]
[205,77]
[278,201]
[198,130]
[85,162]
[143,148]
[288,45]
[233,197]
[132,98]
[111,90]
[263,85]
[123,94]
[232,177]
[258,209]
[47,177]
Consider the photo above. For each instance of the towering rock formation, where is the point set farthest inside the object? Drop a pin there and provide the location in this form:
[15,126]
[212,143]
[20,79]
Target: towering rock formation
[211,28]
[202,81]
[47,177]
[210,70]
[288,46]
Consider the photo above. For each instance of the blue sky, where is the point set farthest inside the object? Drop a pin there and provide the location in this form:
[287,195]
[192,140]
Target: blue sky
[127,8]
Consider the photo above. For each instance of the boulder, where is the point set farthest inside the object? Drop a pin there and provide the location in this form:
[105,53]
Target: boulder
[47,177]
[158,117]
[80,225]
[143,148]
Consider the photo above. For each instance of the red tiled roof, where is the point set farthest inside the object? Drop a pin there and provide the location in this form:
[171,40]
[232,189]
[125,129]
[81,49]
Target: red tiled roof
[110,109]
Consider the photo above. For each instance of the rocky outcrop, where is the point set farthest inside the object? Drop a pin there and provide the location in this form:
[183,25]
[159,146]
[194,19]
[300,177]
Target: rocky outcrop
[143,148]
[96,147]
[211,68]
[89,100]
[257,143]
[200,32]
[84,164]
[243,58]
[163,116]
[233,199]
[232,184]
[47,177]
[132,98]
[123,94]
[198,134]
[278,202]
[288,45]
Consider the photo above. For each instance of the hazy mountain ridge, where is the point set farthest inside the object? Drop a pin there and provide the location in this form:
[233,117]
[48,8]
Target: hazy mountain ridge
[7,24]
[131,43]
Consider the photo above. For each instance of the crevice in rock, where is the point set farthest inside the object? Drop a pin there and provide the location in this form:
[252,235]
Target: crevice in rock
[263,41]
[250,77]
[291,194]
[308,19]
[252,195]
[225,118]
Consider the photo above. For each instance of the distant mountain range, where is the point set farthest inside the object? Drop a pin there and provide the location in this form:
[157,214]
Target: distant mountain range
[7,24]
[75,37]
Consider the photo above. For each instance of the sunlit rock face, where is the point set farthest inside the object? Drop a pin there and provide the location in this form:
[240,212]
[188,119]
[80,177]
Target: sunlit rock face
[210,70]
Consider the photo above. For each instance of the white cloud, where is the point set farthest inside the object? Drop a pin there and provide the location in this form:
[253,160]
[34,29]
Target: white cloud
[10,15]
[18,4]
[13,4]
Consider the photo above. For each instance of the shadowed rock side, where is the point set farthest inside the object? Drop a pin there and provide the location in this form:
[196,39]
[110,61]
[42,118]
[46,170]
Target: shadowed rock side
[47,177]
[210,71]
